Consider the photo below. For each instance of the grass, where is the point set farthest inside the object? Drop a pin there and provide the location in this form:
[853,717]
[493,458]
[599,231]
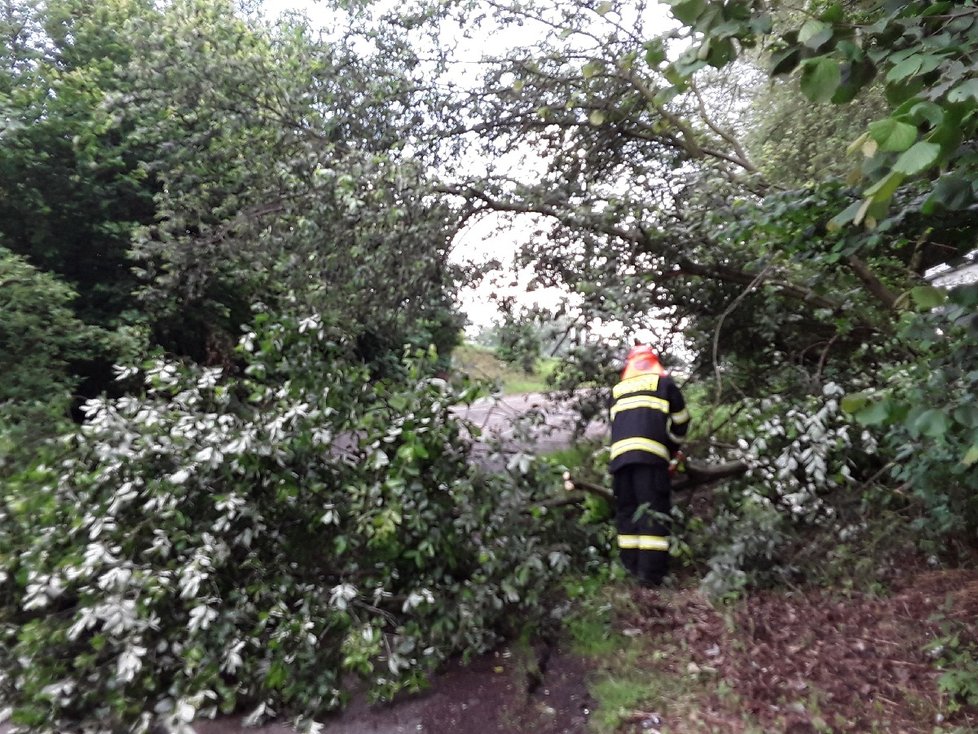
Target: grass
[483,364]
[616,698]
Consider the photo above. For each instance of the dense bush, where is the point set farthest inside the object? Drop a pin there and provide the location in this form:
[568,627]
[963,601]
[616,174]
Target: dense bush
[259,540]
[833,474]
[924,408]
[40,340]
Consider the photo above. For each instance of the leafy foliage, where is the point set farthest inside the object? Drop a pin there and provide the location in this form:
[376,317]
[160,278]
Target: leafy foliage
[926,408]
[257,540]
[918,49]
[40,340]
[194,159]
[324,205]
[71,184]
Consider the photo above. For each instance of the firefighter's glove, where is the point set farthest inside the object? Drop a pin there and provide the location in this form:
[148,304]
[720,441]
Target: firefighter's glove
[678,463]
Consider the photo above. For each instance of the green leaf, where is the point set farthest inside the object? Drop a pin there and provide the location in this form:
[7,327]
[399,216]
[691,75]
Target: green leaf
[927,112]
[591,68]
[832,14]
[893,135]
[875,414]
[927,297]
[932,423]
[952,191]
[722,51]
[814,33]
[918,158]
[967,415]
[687,11]
[906,68]
[883,189]
[854,402]
[605,7]
[820,78]
[936,8]
[675,77]
[971,456]
[844,217]
[655,53]
[596,118]
[964,92]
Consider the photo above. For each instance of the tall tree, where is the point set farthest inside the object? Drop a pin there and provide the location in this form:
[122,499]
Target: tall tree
[71,185]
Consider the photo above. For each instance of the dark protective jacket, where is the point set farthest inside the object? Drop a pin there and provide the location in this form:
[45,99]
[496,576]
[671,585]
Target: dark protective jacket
[648,414]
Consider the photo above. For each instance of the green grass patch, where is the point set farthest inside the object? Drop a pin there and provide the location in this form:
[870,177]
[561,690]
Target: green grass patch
[616,698]
[482,363]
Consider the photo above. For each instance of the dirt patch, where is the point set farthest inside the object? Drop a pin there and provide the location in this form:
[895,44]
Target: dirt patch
[813,660]
[504,693]
[541,690]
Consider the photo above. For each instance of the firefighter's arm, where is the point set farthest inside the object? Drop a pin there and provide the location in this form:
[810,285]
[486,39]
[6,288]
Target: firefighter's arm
[678,415]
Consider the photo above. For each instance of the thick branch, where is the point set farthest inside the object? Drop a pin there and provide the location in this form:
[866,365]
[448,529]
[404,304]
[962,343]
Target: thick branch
[743,277]
[873,284]
[697,474]
[641,239]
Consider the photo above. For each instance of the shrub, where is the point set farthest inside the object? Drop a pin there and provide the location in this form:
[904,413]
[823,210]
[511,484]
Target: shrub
[801,456]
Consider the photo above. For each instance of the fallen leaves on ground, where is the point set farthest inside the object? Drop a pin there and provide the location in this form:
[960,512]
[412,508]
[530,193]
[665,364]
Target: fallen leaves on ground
[812,660]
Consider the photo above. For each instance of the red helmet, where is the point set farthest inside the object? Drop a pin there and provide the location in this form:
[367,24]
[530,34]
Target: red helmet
[642,360]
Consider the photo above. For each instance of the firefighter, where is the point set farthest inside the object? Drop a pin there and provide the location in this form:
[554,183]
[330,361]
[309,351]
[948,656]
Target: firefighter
[648,422]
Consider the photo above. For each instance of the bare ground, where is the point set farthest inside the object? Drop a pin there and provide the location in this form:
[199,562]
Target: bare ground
[543,690]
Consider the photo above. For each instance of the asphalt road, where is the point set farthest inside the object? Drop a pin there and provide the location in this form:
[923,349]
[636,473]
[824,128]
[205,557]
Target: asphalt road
[529,423]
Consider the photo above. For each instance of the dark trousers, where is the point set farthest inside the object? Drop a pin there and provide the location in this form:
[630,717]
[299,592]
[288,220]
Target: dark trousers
[643,501]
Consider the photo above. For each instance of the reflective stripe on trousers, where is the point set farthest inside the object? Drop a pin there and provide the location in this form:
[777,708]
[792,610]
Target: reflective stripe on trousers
[644,542]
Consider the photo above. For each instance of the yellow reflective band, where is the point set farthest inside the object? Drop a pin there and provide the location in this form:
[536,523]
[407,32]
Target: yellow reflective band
[636,384]
[681,417]
[644,542]
[639,444]
[674,438]
[640,401]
